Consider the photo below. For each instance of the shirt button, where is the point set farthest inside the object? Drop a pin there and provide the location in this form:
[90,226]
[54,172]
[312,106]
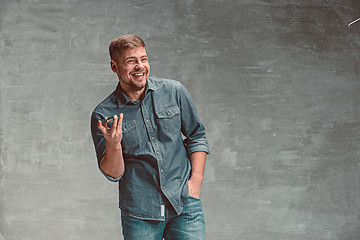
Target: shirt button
[161,170]
[157,153]
[147,120]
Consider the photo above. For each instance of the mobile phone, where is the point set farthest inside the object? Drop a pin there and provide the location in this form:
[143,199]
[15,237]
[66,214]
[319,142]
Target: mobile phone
[106,120]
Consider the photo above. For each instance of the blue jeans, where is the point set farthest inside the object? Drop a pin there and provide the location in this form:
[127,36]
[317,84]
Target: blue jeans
[190,224]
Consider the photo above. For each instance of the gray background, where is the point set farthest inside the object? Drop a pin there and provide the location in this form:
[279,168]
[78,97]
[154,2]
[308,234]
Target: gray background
[276,84]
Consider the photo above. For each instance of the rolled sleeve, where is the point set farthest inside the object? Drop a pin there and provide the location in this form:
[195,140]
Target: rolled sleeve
[198,147]
[191,126]
[109,177]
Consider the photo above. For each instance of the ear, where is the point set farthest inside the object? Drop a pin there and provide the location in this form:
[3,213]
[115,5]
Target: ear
[114,67]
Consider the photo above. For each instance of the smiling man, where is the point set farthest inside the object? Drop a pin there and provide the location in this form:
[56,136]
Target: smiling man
[149,138]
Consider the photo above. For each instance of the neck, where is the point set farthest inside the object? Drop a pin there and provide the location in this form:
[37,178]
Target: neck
[133,95]
[136,96]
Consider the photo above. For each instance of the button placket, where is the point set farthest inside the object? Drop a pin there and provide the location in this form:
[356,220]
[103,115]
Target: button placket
[151,133]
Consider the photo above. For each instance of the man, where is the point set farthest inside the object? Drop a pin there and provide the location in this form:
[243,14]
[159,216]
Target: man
[149,138]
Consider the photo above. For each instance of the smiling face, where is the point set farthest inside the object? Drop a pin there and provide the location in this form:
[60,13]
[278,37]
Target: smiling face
[132,69]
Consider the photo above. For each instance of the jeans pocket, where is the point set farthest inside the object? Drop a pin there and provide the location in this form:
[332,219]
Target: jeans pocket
[193,205]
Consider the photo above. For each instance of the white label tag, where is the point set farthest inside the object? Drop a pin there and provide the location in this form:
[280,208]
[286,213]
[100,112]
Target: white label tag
[162,212]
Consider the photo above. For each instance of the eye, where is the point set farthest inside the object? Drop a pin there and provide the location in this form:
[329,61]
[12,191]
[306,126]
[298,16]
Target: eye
[144,60]
[130,61]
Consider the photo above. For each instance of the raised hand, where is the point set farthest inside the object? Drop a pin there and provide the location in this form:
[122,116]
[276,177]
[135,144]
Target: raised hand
[112,163]
[112,135]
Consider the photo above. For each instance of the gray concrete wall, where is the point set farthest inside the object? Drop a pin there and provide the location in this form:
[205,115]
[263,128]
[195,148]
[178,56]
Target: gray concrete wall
[276,84]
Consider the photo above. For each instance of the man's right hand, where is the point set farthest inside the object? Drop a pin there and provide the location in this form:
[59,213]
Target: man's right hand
[112,135]
[112,163]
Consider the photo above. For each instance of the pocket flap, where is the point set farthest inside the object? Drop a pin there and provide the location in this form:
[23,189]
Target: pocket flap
[168,112]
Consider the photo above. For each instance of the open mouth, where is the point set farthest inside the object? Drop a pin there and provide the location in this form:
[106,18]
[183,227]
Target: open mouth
[138,74]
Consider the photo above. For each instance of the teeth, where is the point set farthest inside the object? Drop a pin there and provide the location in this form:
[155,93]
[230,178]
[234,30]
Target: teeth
[138,74]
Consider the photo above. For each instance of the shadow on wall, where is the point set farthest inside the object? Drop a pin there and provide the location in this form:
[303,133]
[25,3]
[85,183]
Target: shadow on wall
[2,237]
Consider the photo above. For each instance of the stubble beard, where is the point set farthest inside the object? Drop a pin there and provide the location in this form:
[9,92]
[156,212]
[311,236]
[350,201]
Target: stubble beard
[133,86]
[136,87]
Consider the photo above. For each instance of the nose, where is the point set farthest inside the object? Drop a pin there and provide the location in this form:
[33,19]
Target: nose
[139,66]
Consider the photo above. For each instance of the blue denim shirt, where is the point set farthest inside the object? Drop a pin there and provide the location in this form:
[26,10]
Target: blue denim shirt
[159,134]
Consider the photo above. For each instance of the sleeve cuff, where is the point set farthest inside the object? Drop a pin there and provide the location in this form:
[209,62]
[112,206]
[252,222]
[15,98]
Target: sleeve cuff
[109,177]
[198,148]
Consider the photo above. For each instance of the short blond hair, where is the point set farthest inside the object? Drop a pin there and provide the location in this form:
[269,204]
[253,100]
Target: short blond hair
[123,42]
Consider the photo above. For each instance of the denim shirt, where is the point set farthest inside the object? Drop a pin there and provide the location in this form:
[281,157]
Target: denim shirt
[159,134]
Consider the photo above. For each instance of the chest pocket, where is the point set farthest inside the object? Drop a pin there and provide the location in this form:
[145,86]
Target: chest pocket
[131,137]
[168,120]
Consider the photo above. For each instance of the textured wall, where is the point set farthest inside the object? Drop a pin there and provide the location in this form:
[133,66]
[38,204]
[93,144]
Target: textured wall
[276,84]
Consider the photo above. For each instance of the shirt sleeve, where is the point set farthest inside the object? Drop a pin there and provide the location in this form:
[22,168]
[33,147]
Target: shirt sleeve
[100,144]
[191,126]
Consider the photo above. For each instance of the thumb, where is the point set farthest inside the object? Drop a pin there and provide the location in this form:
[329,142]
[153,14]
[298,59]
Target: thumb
[101,127]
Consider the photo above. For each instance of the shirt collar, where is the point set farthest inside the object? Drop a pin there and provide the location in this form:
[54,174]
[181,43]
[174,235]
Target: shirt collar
[150,85]
[123,99]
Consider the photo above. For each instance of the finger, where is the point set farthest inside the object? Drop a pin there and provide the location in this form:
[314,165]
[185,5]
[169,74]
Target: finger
[121,116]
[114,125]
[105,123]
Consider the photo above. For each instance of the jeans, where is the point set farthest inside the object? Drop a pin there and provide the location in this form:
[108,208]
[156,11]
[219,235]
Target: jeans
[190,224]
